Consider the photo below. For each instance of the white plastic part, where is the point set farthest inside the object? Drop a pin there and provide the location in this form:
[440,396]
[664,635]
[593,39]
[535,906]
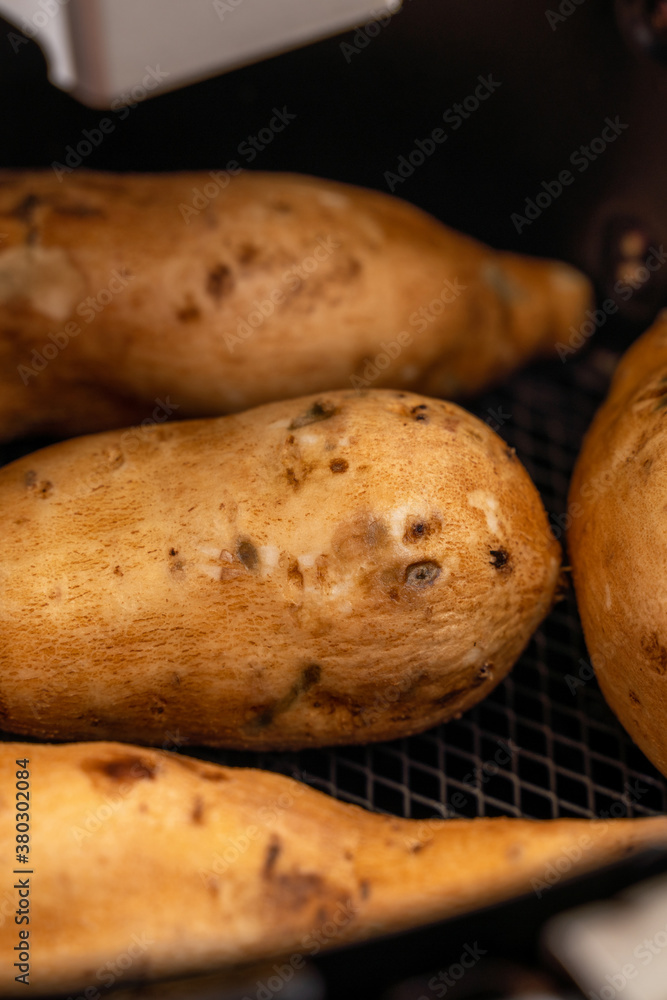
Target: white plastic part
[112,52]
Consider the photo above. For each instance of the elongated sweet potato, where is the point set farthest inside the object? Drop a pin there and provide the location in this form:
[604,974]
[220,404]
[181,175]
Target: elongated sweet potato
[214,295]
[145,864]
[335,569]
[618,542]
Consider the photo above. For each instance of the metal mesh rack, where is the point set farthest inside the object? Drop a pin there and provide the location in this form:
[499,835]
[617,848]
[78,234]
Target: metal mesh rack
[537,746]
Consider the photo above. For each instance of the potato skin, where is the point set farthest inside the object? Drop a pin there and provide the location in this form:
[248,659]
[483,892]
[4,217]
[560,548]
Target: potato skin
[618,542]
[319,278]
[335,569]
[149,864]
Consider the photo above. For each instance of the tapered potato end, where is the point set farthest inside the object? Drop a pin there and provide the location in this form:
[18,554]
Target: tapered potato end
[149,864]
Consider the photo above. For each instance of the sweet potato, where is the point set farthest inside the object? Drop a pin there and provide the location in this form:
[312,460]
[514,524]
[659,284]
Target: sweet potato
[618,543]
[117,294]
[145,864]
[335,569]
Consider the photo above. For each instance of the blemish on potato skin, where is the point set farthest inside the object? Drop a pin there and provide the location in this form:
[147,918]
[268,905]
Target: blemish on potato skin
[294,574]
[157,707]
[339,465]
[219,282]
[418,412]
[320,410]
[656,653]
[123,769]
[247,554]
[500,559]
[445,699]
[247,254]
[79,211]
[633,698]
[41,489]
[188,314]
[364,888]
[266,713]
[197,814]
[118,571]
[273,851]
[422,574]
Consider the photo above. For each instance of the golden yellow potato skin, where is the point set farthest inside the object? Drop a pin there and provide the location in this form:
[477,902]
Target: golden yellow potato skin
[148,864]
[618,542]
[334,569]
[115,293]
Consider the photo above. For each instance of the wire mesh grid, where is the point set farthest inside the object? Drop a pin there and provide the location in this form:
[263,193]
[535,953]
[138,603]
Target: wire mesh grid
[544,743]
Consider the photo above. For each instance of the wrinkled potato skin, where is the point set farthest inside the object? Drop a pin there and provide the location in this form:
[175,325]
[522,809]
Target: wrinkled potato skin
[172,331]
[183,866]
[336,569]
[618,542]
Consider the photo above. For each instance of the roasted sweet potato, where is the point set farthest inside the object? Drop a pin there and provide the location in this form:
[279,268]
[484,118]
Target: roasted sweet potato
[618,542]
[335,569]
[145,864]
[118,294]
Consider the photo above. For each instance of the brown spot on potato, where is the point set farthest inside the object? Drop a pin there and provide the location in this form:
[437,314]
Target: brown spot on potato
[310,676]
[320,410]
[123,769]
[294,574]
[291,477]
[197,814]
[364,888]
[656,653]
[294,890]
[422,574]
[339,465]
[79,211]
[118,571]
[173,552]
[633,698]
[219,282]
[248,555]
[188,314]
[157,706]
[24,209]
[41,489]
[419,412]
[272,852]
[281,206]
[511,454]
[483,674]
[247,254]
[500,559]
